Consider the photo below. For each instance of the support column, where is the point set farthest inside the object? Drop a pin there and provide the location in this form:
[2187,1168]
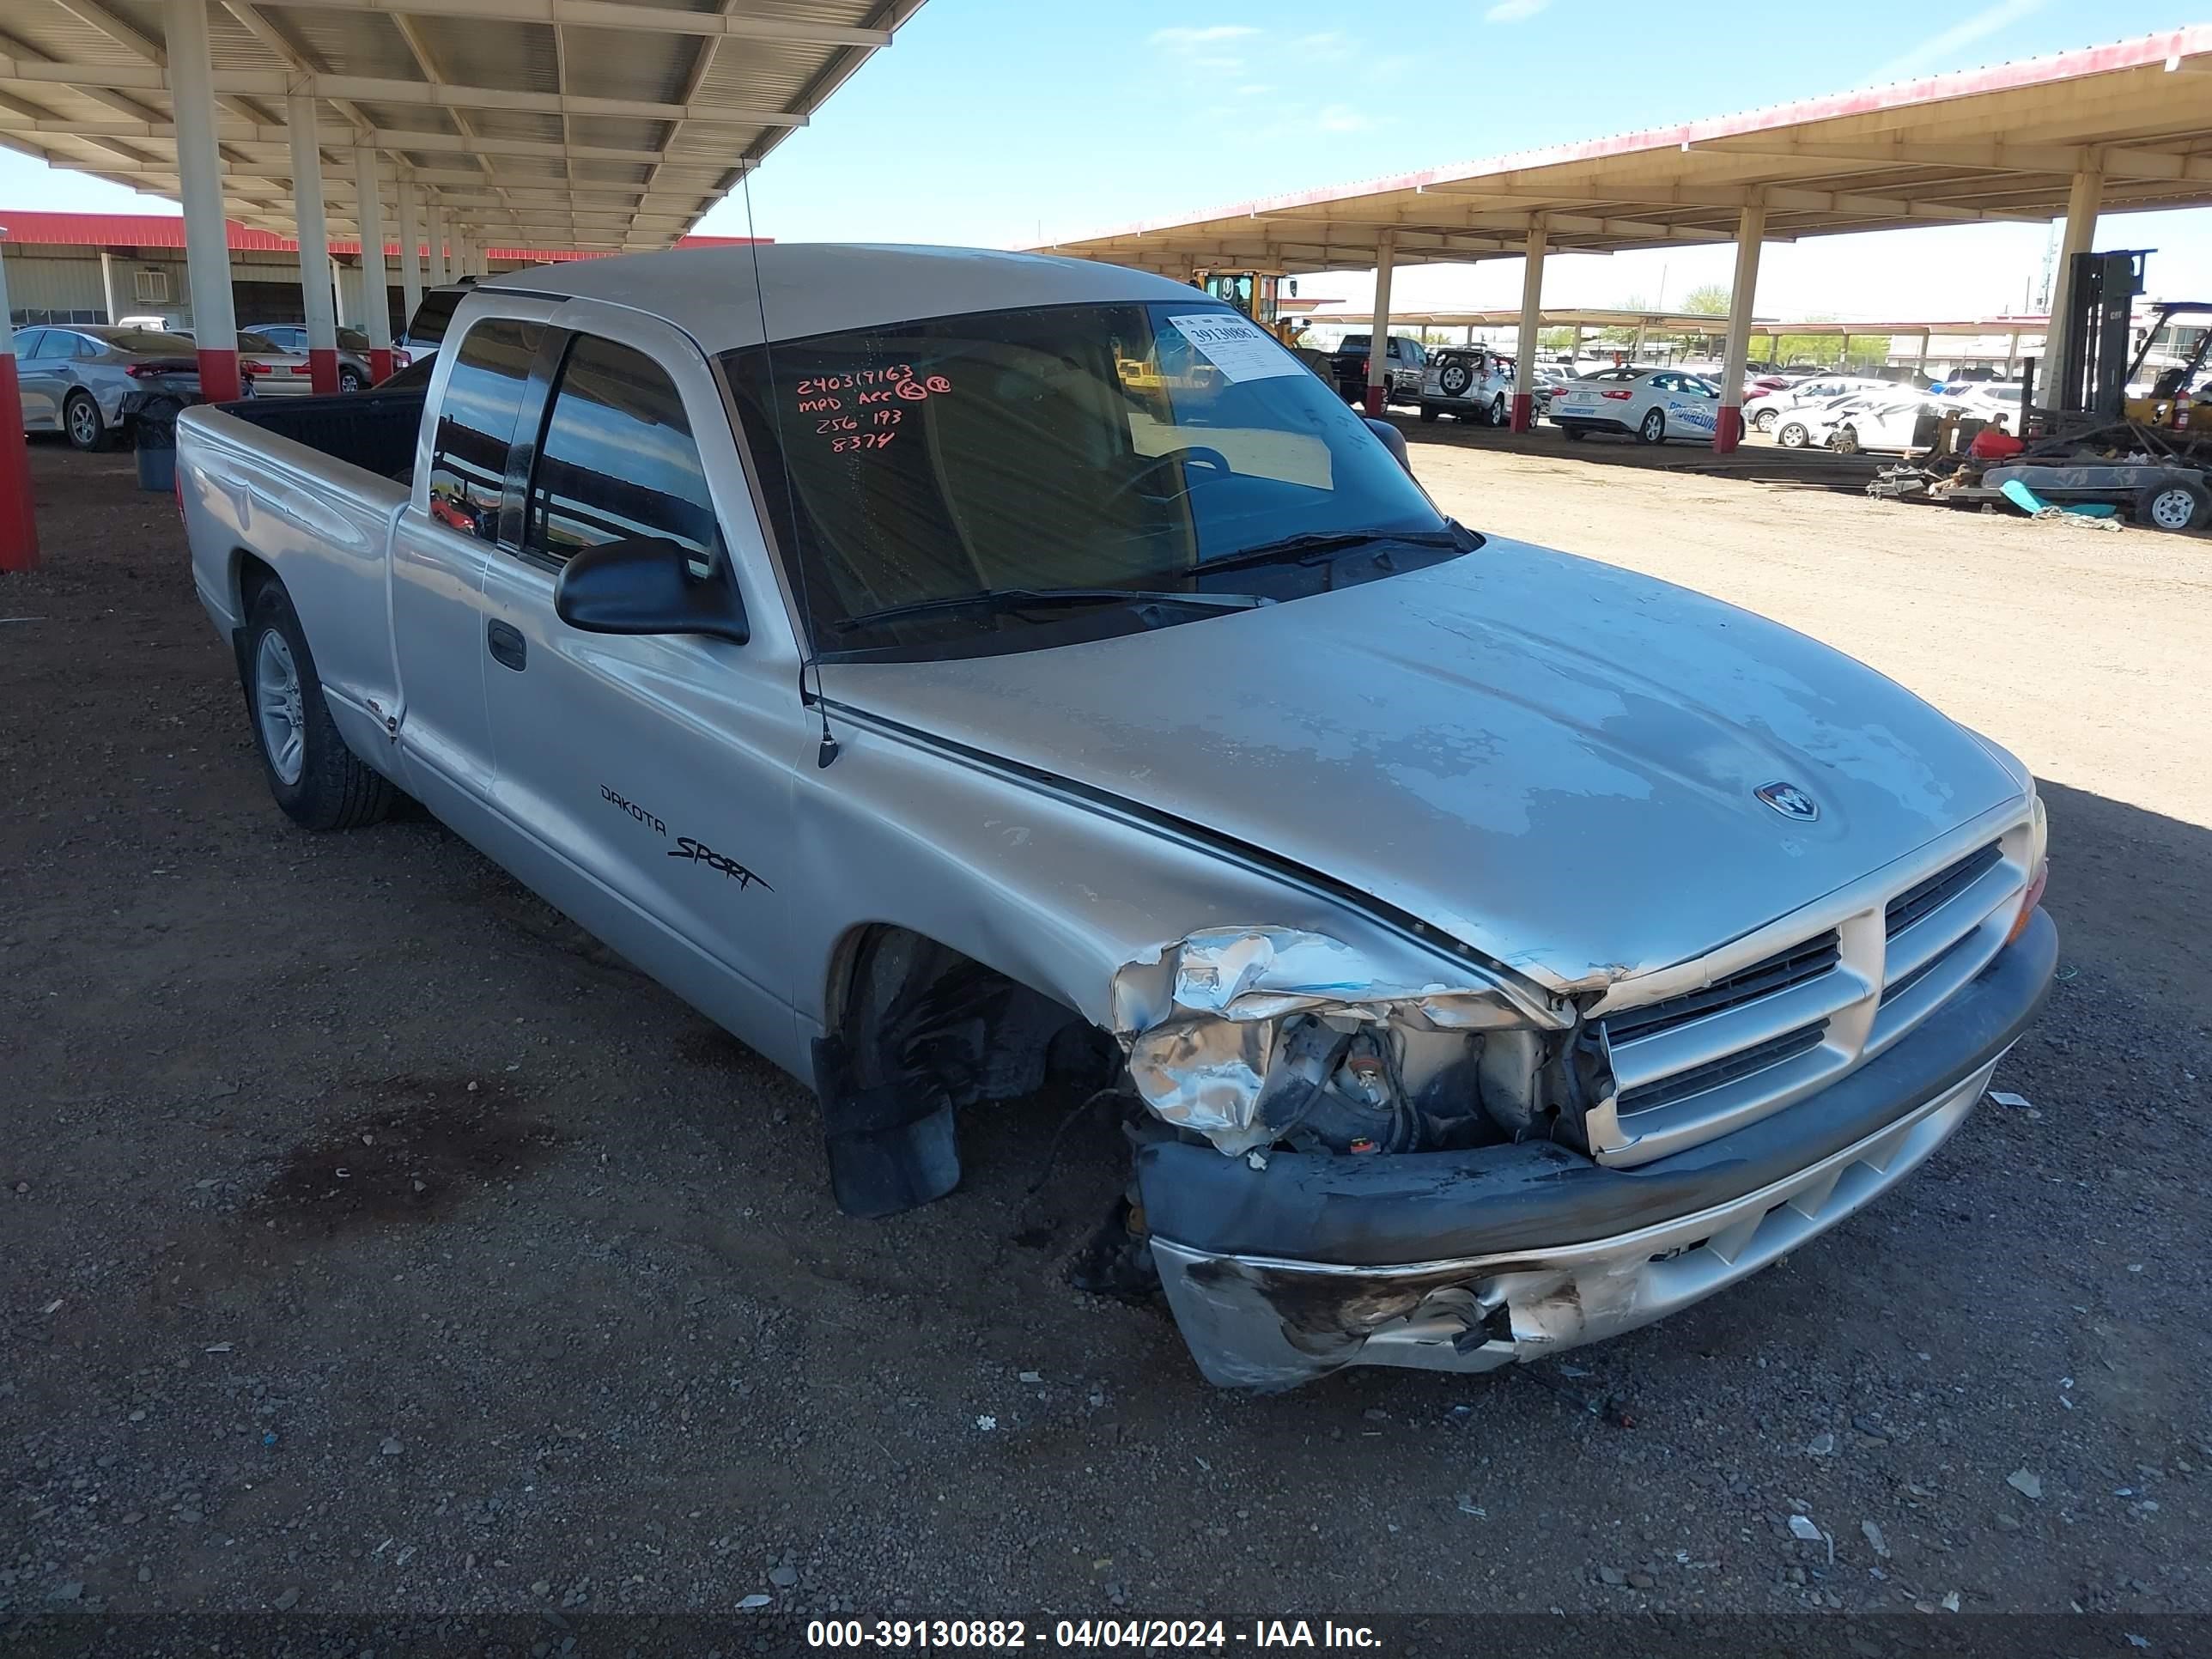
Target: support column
[18,525]
[1843,353]
[107,284]
[435,223]
[2012,354]
[1750,228]
[375,276]
[410,251]
[1921,367]
[315,285]
[1532,324]
[1636,346]
[1378,330]
[2083,202]
[340,304]
[199,170]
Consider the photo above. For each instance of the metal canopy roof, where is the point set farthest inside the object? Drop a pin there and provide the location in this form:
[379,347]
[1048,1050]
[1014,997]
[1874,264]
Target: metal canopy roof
[590,124]
[1678,322]
[1997,143]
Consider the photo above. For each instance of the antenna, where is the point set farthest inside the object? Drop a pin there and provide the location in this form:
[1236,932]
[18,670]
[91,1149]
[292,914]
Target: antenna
[828,750]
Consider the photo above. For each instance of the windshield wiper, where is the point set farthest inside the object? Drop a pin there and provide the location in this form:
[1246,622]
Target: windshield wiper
[1314,544]
[1024,598]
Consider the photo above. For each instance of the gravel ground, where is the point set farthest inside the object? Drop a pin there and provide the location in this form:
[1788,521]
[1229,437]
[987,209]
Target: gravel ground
[378,1244]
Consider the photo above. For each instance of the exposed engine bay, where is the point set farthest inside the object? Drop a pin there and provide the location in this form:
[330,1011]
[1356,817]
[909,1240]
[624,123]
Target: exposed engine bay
[1262,1037]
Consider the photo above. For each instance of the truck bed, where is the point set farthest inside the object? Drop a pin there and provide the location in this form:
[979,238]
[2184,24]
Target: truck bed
[373,430]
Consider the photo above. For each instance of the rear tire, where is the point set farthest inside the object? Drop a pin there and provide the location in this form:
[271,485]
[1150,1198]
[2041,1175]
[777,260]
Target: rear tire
[80,420]
[2178,505]
[1575,430]
[1497,416]
[1653,430]
[1846,440]
[1429,413]
[350,379]
[319,783]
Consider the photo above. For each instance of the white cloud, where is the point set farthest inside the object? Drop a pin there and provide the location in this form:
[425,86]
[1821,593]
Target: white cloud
[1329,46]
[1987,21]
[1514,11]
[1343,117]
[1184,40]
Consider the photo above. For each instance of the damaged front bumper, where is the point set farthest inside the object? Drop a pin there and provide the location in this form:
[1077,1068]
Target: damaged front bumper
[1468,1261]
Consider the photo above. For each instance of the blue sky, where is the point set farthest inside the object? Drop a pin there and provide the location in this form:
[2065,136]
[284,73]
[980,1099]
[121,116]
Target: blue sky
[998,122]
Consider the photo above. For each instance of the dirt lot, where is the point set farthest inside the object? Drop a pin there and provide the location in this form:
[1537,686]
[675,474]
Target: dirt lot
[376,1243]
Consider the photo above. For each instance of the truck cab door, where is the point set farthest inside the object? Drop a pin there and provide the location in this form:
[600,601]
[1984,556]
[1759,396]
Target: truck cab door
[444,535]
[650,777]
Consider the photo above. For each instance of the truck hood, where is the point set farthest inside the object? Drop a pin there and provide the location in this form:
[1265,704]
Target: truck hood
[1552,760]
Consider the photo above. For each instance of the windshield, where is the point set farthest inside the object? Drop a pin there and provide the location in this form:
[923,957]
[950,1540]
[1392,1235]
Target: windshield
[1099,447]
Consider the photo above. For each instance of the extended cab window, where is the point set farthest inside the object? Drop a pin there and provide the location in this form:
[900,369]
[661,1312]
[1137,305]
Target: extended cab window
[619,460]
[970,483]
[476,424]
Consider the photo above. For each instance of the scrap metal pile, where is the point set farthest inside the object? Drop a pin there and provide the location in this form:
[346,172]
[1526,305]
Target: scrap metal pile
[2159,476]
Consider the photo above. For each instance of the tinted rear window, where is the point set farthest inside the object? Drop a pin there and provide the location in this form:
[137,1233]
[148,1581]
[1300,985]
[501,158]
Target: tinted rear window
[145,339]
[434,315]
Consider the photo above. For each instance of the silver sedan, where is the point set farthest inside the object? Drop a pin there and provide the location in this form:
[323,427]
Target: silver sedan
[80,380]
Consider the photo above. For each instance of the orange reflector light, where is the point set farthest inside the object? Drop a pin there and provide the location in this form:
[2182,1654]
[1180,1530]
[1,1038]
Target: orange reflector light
[2029,900]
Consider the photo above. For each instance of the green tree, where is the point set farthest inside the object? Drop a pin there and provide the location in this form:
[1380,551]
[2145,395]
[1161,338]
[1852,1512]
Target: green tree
[1711,300]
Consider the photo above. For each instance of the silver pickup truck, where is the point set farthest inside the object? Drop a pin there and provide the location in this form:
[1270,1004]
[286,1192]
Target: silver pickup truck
[966,676]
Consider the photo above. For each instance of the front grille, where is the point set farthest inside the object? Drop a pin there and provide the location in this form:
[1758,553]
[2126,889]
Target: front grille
[1897,987]
[1742,1063]
[1761,1036]
[1925,898]
[1800,962]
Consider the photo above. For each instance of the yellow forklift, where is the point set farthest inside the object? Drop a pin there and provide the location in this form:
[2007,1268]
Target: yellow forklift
[1258,295]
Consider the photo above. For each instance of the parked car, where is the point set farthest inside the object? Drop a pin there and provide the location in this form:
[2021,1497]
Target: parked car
[1987,400]
[1404,363]
[432,313]
[1549,377]
[1810,393]
[1486,950]
[1898,420]
[80,380]
[1651,404]
[1469,383]
[354,370]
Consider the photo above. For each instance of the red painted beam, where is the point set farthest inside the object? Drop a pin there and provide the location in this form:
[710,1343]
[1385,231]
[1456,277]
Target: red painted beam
[219,378]
[19,528]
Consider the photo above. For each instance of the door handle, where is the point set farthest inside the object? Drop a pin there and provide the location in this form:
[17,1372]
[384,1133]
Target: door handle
[506,644]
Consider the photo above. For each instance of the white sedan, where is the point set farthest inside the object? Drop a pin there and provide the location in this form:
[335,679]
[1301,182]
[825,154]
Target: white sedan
[1851,424]
[1767,413]
[1652,404]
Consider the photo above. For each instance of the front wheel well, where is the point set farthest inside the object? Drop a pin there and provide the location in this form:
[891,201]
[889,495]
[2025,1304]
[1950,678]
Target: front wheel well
[916,1029]
[249,575]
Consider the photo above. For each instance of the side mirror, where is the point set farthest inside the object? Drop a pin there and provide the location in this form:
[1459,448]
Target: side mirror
[1392,440]
[644,585]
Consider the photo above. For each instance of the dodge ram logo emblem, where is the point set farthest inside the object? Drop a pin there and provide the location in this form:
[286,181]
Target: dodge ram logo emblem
[1789,801]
